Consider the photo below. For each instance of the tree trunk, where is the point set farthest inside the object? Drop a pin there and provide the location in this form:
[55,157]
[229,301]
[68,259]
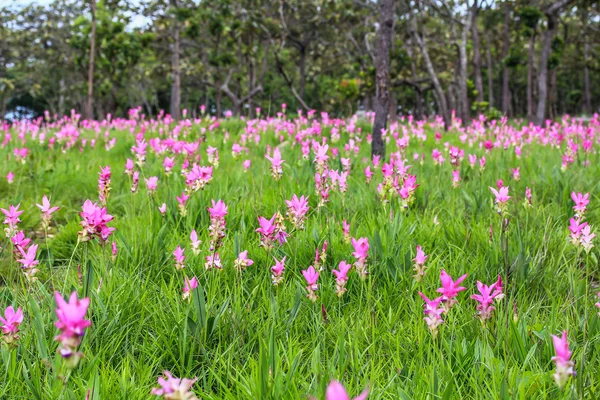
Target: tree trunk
[382,78]
[490,70]
[540,114]
[462,82]
[587,94]
[477,55]
[175,69]
[61,97]
[89,110]
[302,71]
[530,73]
[218,97]
[506,72]
[413,70]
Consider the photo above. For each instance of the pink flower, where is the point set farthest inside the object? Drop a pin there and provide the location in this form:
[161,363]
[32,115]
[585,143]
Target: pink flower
[242,261]
[247,164]
[276,163]
[29,262]
[168,164]
[361,249]
[528,202]
[564,365]
[297,209]
[516,173]
[46,209]
[581,202]
[586,238]
[197,178]
[94,222]
[152,184]
[277,271]
[455,178]
[433,313]
[162,208]
[368,173]
[486,299]
[10,178]
[72,324]
[179,258]
[195,242]
[129,167]
[419,265]
[346,229]
[20,241]
[341,277]
[114,250]
[173,388]
[213,261]
[266,230]
[598,304]
[501,199]
[12,219]
[218,211]
[188,286]
[450,288]
[336,391]
[311,276]
[10,324]
[104,185]
[182,200]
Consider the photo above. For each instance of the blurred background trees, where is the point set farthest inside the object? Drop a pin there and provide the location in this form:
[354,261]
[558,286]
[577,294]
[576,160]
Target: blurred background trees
[533,59]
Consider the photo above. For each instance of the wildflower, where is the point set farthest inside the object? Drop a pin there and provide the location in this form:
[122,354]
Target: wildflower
[195,242]
[104,185]
[10,324]
[297,209]
[152,184]
[242,261]
[321,258]
[114,251]
[361,249]
[576,227]
[321,157]
[419,265]
[129,167]
[450,289]
[139,150]
[311,277]
[197,178]
[168,164]
[482,163]
[182,201]
[280,233]
[94,222]
[218,211]
[277,271]
[173,388]
[162,208]
[472,160]
[213,261]
[455,178]
[598,304]
[501,199]
[213,156]
[20,241]
[276,163]
[586,238]
[47,211]
[247,164]
[267,231]
[516,173]
[12,219]
[433,313]
[179,258]
[562,359]
[341,277]
[346,229]
[527,203]
[368,174]
[10,178]
[29,262]
[581,202]
[72,325]
[135,180]
[336,391]
[486,299]
[188,286]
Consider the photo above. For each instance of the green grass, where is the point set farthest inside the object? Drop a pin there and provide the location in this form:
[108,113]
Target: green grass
[243,338]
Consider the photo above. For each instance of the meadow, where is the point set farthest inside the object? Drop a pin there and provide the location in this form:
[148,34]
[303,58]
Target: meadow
[190,249]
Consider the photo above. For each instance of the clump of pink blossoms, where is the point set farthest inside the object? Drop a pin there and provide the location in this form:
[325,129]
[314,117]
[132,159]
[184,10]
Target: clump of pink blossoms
[10,325]
[562,359]
[217,228]
[173,388]
[311,276]
[72,324]
[361,250]
[297,209]
[419,265]
[341,277]
[94,222]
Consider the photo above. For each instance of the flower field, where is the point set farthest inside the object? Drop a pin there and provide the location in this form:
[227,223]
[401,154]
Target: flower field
[274,258]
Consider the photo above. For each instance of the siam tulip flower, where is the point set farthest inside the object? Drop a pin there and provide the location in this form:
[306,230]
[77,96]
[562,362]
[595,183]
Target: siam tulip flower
[276,163]
[152,184]
[346,229]
[218,211]
[135,180]
[12,219]
[501,200]
[10,178]
[311,276]
[20,242]
[482,163]
[562,359]
[527,203]
[472,160]
[242,261]
[197,178]
[213,156]
[336,391]
[576,227]
[195,242]
[297,209]
[345,164]
[321,258]
[598,304]
[361,249]
[516,173]
[188,286]
[72,324]
[586,238]
[129,167]
[29,262]
[341,277]
[455,178]
[213,261]
[368,174]
[376,160]
[419,265]
[450,289]
[486,299]
[162,208]
[456,156]
[277,271]
[179,258]
[321,157]
[182,201]
[168,164]
[139,150]
[433,313]
[280,230]
[10,324]
[247,164]
[104,185]
[267,232]
[173,388]
[581,202]
[236,150]
[47,211]
[114,251]
[94,222]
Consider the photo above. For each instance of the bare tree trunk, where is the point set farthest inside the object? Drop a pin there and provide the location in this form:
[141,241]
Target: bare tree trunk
[477,54]
[413,70]
[61,97]
[552,110]
[587,94]
[302,71]
[175,69]
[382,74]
[462,82]
[439,92]
[530,74]
[89,111]
[490,70]
[506,71]
[218,97]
